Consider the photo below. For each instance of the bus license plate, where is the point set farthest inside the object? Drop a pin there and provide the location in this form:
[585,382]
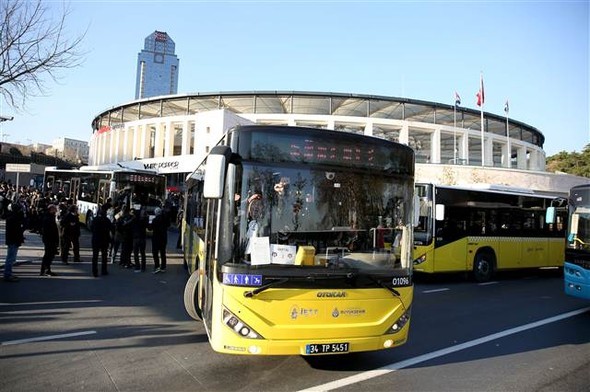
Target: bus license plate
[326,348]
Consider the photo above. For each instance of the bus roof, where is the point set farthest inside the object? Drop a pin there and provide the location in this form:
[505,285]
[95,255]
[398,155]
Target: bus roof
[495,188]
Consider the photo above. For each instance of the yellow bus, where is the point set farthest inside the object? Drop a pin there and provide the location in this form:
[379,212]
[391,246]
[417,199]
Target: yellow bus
[481,229]
[279,238]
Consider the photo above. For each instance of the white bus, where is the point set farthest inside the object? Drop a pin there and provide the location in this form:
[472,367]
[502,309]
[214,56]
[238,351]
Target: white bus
[89,188]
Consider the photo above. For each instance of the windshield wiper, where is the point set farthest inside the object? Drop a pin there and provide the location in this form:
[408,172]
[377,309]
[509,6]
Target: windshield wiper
[251,293]
[380,283]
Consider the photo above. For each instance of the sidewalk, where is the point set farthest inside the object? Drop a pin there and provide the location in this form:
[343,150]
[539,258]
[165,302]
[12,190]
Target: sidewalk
[32,250]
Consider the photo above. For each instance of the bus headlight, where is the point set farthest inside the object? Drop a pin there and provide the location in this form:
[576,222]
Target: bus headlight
[238,326]
[420,260]
[400,322]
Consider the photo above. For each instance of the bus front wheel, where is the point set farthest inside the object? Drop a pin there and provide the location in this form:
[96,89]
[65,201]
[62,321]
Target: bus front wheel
[483,266]
[191,296]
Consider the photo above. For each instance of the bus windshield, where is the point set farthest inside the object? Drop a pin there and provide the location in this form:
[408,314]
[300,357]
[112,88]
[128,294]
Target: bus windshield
[343,219]
[579,229]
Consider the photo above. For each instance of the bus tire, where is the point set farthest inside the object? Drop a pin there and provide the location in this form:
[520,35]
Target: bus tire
[191,296]
[483,266]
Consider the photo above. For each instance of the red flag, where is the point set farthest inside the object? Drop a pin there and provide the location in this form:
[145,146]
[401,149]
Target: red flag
[480,94]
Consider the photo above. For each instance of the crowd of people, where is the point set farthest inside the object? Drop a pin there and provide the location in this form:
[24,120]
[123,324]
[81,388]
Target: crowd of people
[116,227]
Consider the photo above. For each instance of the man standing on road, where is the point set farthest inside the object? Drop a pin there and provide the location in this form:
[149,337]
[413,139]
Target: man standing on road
[101,238]
[139,230]
[15,227]
[159,226]
[70,223]
[50,236]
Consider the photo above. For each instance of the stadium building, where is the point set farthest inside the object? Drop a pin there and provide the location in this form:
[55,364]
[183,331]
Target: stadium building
[172,134]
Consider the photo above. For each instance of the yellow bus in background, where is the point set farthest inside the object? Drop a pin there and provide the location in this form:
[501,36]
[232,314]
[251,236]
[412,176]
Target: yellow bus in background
[279,238]
[481,229]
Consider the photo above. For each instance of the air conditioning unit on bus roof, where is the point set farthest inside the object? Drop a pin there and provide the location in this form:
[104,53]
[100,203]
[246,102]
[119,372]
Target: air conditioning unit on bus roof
[499,188]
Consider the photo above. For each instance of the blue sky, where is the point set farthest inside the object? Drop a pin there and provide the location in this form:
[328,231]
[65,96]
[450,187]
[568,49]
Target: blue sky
[534,53]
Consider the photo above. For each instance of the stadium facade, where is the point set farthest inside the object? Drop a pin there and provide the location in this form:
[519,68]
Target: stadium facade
[172,134]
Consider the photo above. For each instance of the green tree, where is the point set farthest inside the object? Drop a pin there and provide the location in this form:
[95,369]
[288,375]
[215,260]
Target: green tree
[576,163]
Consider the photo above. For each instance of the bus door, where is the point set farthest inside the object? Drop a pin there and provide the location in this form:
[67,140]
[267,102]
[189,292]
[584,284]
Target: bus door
[74,189]
[207,263]
[104,187]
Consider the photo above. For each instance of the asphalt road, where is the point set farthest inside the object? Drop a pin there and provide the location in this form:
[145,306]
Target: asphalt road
[129,331]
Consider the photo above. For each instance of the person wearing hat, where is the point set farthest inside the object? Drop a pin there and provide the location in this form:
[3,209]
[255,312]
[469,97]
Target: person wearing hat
[159,226]
[15,227]
[50,235]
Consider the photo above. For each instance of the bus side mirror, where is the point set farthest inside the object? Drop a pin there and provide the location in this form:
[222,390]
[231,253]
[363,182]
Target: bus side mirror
[550,215]
[439,212]
[215,170]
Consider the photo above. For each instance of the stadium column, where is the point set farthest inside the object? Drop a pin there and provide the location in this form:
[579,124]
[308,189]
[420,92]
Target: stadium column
[369,128]
[489,151]
[404,134]
[145,141]
[435,154]
[169,142]
[117,146]
[186,133]
[160,136]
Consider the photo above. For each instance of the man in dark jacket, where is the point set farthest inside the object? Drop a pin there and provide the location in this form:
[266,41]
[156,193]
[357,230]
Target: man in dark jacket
[139,230]
[70,224]
[50,235]
[15,227]
[159,226]
[101,239]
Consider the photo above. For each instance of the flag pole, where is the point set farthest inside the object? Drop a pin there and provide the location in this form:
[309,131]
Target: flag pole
[507,110]
[457,103]
[455,131]
[481,101]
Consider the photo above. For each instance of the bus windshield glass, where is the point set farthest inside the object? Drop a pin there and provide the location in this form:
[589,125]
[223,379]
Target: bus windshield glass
[318,216]
[578,236]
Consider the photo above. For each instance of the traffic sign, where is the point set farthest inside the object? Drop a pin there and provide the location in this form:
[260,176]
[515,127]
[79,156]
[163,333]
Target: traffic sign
[18,168]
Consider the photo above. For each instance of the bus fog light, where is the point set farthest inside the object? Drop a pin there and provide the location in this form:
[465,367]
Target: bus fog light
[400,322]
[238,326]
[254,350]
[388,343]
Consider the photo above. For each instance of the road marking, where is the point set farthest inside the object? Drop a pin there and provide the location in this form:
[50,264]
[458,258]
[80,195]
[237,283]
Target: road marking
[48,302]
[435,290]
[486,283]
[364,376]
[43,338]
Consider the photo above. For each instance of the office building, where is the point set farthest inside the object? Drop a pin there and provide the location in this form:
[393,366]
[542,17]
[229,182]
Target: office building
[157,67]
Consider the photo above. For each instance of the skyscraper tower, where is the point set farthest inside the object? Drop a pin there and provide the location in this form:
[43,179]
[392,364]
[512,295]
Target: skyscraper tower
[157,67]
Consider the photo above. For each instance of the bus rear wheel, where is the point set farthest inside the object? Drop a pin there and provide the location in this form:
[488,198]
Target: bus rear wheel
[483,266]
[191,296]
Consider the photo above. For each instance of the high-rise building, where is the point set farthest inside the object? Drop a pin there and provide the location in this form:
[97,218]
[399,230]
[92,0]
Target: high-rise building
[157,67]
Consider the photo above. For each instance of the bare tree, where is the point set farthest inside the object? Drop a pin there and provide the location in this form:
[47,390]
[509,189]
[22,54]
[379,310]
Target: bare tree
[33,47]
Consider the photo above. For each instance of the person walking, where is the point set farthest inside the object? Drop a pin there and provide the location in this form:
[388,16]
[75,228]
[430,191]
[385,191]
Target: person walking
[124,227]
[50,236]
[101,238]
[70,223]
[139,229]
[159,227]
[15,228]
